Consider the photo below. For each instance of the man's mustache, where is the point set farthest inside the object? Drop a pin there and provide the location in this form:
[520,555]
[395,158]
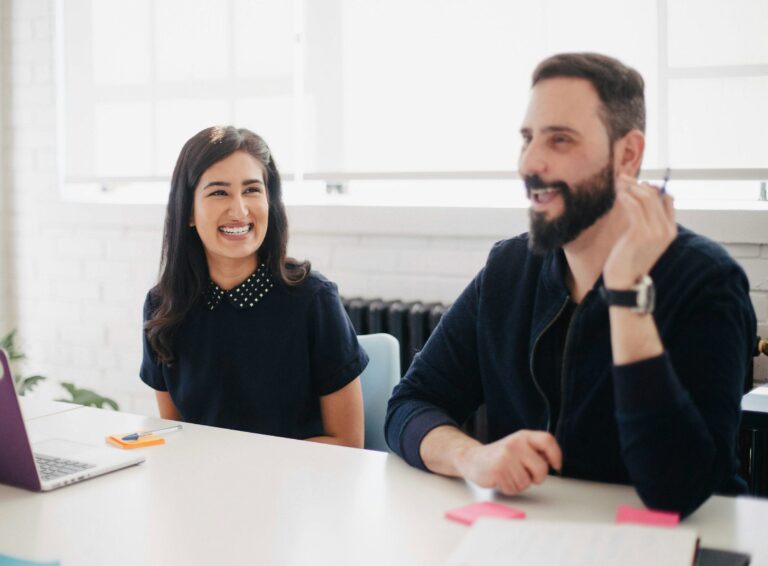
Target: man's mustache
[536,182]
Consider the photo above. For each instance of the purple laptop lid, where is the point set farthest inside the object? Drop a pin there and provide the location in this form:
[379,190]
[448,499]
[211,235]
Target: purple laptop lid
[17,464]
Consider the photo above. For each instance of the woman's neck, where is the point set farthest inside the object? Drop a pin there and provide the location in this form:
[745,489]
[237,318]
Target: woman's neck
[228,273]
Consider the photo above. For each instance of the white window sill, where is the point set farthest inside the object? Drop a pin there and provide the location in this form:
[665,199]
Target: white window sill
[738,223]
[722,221]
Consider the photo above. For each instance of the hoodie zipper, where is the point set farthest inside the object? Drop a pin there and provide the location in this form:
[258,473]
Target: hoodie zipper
[568,335]
[533,353]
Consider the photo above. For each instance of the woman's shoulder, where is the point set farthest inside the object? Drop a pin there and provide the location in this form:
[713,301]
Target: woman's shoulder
[151,301]
[313,284]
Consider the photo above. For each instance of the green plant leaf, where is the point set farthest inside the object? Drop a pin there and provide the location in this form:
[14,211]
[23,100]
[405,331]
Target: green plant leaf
[87,397]
[8,343]
[27,384]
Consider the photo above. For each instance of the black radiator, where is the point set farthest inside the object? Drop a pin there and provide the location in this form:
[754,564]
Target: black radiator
[410,322]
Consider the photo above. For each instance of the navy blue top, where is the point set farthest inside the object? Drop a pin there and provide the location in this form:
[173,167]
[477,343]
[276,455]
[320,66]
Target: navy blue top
[667,425]
[259,368]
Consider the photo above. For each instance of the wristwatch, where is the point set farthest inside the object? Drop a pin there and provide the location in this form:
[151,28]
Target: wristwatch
[641,298]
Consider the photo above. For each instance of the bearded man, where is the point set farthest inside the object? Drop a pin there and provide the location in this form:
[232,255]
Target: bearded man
[608,343]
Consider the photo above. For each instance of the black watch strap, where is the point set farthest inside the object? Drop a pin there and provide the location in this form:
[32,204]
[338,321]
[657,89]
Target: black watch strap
[616,298]
[641,298]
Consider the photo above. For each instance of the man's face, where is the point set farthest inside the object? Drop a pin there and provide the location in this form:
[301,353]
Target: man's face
[566,162]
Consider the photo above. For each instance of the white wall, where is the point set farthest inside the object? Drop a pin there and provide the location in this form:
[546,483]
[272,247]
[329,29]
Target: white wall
[78,273]
[4,150]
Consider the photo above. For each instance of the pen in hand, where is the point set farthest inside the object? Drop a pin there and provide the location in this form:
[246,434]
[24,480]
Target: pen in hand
[663,189]
[137,435]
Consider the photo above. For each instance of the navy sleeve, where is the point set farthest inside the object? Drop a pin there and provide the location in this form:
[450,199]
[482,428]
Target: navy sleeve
[442,386]
[335,355]
[678,414]
[151,373]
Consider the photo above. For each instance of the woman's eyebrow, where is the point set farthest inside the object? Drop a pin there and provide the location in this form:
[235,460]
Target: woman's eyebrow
[216,184]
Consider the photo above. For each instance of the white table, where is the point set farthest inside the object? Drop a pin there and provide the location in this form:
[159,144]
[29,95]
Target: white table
[37,408]
[211,496]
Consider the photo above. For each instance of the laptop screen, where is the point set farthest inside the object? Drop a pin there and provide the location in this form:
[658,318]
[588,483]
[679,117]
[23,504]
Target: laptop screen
[17,464]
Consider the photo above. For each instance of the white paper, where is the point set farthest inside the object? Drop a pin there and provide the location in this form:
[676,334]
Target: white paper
[494,542]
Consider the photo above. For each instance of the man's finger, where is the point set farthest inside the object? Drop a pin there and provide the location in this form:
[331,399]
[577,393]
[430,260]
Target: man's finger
[547,446]
[521,477]
[669,207]
[536,466]
[507,484]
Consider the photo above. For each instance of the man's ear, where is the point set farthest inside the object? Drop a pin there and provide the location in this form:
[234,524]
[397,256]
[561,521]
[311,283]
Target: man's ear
[628,153]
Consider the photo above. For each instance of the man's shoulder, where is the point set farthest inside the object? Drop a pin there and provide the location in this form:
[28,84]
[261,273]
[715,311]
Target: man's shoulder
[510,249]
[514,256]
[696,250]
[511,267]
[694,261]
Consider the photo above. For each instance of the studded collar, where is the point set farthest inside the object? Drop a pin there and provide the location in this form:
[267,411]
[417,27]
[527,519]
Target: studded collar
[246,295]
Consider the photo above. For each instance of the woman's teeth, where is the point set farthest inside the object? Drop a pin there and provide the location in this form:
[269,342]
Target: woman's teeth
[235,231]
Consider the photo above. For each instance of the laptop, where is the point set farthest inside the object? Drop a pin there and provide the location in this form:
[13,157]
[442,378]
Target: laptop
[51,463]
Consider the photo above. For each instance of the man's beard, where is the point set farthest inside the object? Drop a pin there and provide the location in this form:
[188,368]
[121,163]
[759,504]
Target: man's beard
[583,204]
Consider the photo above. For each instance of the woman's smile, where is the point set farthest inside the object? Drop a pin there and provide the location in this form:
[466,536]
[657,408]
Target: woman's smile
[236,231]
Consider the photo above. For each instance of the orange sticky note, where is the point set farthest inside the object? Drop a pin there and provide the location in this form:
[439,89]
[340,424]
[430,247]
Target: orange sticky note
[141,442]
[470,513]
[627,514]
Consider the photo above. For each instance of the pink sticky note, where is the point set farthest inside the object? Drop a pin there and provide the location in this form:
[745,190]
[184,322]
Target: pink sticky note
[470,513]
[627,514]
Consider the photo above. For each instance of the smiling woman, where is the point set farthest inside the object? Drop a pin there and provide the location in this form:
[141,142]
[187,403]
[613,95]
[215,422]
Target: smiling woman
[231,215]
[237,334]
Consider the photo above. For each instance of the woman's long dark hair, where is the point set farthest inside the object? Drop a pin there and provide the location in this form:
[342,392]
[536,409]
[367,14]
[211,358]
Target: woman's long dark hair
[183,267]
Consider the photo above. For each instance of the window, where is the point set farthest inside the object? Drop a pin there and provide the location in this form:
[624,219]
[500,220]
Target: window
[404,101]
[142,77]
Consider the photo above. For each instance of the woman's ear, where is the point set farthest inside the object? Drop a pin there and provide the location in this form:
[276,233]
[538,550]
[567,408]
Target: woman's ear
[628,153]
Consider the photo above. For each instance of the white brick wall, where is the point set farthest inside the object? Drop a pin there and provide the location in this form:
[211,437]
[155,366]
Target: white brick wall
[76,275]
[5,216]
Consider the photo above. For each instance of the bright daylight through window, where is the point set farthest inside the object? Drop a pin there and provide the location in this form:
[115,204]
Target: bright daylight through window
[401,102]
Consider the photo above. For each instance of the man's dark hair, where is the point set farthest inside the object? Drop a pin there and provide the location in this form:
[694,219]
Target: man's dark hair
[619,87]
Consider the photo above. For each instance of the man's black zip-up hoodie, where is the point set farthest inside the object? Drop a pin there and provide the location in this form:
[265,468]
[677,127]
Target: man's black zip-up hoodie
[667,425]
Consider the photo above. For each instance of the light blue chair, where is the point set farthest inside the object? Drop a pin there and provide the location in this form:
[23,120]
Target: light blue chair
[378,380]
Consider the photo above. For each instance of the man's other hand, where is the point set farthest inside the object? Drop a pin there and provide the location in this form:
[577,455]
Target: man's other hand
[513,463]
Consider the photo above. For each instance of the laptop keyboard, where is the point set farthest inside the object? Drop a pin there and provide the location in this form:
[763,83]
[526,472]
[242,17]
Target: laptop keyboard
[51,468]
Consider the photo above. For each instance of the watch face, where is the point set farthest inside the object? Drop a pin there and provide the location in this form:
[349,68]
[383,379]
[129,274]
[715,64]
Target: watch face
[641,298]
[646,296]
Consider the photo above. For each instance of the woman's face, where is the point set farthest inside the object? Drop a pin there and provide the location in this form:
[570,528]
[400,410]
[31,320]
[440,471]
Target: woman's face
[231,210]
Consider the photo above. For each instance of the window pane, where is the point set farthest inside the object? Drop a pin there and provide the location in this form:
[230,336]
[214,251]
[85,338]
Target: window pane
[436,90]
[714,32]
[264,38]
[718,123]
[272,119]
[121,42]
[179,120]
[123,139]
[445,88]
[192,39]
